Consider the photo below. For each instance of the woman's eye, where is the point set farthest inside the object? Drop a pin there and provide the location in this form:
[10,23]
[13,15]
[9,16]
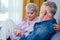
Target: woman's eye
[31,13]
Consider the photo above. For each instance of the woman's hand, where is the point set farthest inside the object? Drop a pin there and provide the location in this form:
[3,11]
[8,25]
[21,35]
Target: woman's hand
[56,27]
[19,33]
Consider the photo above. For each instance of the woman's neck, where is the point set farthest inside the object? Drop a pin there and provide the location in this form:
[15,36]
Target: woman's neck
[31,21]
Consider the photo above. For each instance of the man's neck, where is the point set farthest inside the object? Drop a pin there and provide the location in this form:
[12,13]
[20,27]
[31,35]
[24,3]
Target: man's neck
[47,18]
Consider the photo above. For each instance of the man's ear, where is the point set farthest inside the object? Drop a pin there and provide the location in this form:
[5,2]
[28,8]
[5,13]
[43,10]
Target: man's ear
[45,12]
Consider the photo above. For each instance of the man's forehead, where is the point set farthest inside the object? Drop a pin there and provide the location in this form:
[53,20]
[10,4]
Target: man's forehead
[43,7]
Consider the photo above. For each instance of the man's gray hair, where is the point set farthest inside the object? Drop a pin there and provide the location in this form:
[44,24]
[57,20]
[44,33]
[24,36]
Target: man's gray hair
[51,7]
[32,6]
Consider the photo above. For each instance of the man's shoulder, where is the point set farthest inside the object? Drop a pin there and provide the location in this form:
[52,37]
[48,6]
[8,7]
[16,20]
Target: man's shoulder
[45,25]
[37,24]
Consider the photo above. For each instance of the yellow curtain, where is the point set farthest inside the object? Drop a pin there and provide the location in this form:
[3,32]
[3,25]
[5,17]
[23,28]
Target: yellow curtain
[38,2]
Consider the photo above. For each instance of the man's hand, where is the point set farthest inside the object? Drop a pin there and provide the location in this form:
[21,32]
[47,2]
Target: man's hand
[56,27]
[19,33]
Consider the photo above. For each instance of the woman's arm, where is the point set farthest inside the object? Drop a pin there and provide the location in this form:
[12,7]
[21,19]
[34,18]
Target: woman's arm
[56,27]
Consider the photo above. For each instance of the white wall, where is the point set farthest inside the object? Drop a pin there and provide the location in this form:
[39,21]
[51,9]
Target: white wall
[57,16]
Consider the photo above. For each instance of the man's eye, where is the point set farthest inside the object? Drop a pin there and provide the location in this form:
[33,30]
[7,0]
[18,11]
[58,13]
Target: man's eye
[41,12]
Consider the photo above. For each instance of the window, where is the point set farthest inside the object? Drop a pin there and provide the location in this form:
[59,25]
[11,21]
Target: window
[3,10]
[11,9]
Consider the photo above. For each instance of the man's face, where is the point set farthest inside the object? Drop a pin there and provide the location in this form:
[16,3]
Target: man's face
[42,11]
[30,14]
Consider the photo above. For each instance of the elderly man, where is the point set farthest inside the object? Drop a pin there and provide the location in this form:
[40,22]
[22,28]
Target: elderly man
[24,28]
[44,29]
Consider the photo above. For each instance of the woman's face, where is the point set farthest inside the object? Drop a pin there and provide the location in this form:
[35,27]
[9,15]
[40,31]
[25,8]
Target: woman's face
[30,14]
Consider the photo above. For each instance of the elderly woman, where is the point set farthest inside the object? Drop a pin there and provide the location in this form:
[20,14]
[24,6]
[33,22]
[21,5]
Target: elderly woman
[26,26]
